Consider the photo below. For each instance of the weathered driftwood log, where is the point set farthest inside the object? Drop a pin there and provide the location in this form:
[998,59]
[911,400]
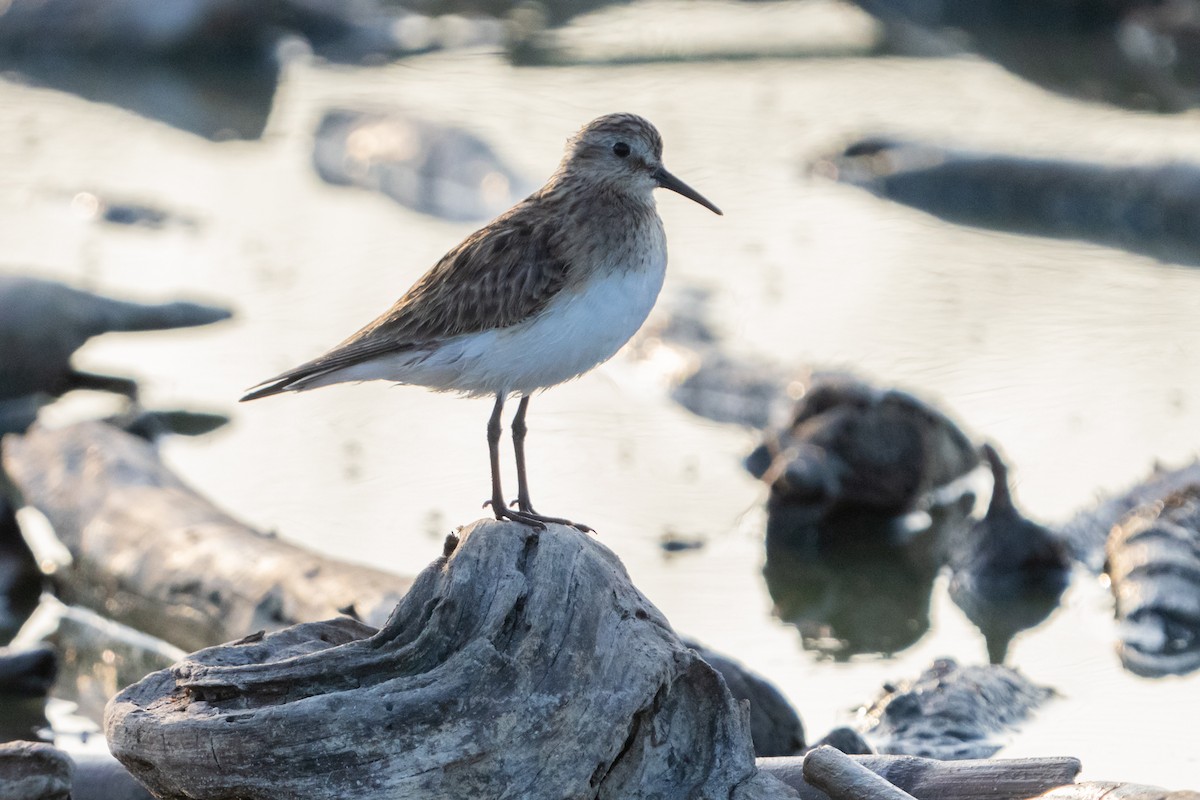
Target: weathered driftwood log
[987,779]
[1103,790]
[843,778]
[151,553]
[34,771]
[518,665]
[1154,564]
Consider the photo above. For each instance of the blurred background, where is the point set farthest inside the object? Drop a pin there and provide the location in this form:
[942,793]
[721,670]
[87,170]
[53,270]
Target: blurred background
[993,206]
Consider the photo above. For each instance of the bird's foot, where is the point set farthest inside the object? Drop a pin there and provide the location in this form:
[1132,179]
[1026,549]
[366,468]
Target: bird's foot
[527,516]
[525,507]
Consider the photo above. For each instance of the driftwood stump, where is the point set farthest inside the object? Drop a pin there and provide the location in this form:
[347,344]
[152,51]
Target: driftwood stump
[34,771]
[518,665]
[152,554]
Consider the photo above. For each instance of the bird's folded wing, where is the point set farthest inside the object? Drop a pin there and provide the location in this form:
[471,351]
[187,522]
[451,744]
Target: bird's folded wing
[500,276]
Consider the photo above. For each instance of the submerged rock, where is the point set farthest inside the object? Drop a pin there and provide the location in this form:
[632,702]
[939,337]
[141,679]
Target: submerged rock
[733,390]
[852,445]
[704,377]
[428,167]
[1154,564]
[1007,572]
[219,102]
[116,211]
[1144,209]
[952,712]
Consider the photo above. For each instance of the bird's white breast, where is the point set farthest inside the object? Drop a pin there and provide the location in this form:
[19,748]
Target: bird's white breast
[583,326]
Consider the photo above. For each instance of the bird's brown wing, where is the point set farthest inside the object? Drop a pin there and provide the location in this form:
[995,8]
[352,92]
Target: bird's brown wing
[501,275]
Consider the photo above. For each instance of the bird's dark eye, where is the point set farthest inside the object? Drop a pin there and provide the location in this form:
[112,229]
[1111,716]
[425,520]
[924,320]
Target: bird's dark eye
[621,149]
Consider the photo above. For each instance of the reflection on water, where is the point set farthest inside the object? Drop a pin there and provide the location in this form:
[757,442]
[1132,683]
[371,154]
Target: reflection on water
[856,582]
[1083,363]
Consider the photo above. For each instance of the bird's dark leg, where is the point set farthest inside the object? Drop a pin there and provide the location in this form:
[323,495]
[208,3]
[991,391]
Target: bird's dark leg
[493,437]
[499,508]
[518,435]
[524,505]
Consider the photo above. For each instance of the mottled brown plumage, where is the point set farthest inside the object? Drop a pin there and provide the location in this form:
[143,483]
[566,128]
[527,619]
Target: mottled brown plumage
[542,294]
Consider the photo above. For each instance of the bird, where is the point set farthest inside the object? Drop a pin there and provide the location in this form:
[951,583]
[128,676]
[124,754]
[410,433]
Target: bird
[545,292]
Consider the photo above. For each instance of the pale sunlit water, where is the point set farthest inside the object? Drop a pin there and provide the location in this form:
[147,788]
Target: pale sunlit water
[1082,362]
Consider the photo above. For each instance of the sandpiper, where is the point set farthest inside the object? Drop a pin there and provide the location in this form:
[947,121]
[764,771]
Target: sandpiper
[542,294]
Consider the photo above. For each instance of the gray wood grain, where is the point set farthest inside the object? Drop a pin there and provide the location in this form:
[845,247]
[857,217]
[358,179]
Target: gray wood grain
[930,779]
[843,778]
[518,665]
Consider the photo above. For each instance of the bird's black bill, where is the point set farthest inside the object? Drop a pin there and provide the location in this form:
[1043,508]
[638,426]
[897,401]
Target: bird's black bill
[668,181]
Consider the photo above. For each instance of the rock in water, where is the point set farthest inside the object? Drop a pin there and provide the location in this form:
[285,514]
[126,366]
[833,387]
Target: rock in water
[432,168]
[852,445]
[952,712]
[518,665]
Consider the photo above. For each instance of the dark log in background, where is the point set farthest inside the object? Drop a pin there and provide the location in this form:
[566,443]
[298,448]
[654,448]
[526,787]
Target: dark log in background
[151,553]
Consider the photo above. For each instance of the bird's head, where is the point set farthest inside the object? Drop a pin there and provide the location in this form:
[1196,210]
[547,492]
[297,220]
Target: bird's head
[624,150]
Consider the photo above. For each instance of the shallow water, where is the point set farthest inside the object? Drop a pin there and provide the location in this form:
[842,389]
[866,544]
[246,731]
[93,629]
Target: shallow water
[1080,361]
